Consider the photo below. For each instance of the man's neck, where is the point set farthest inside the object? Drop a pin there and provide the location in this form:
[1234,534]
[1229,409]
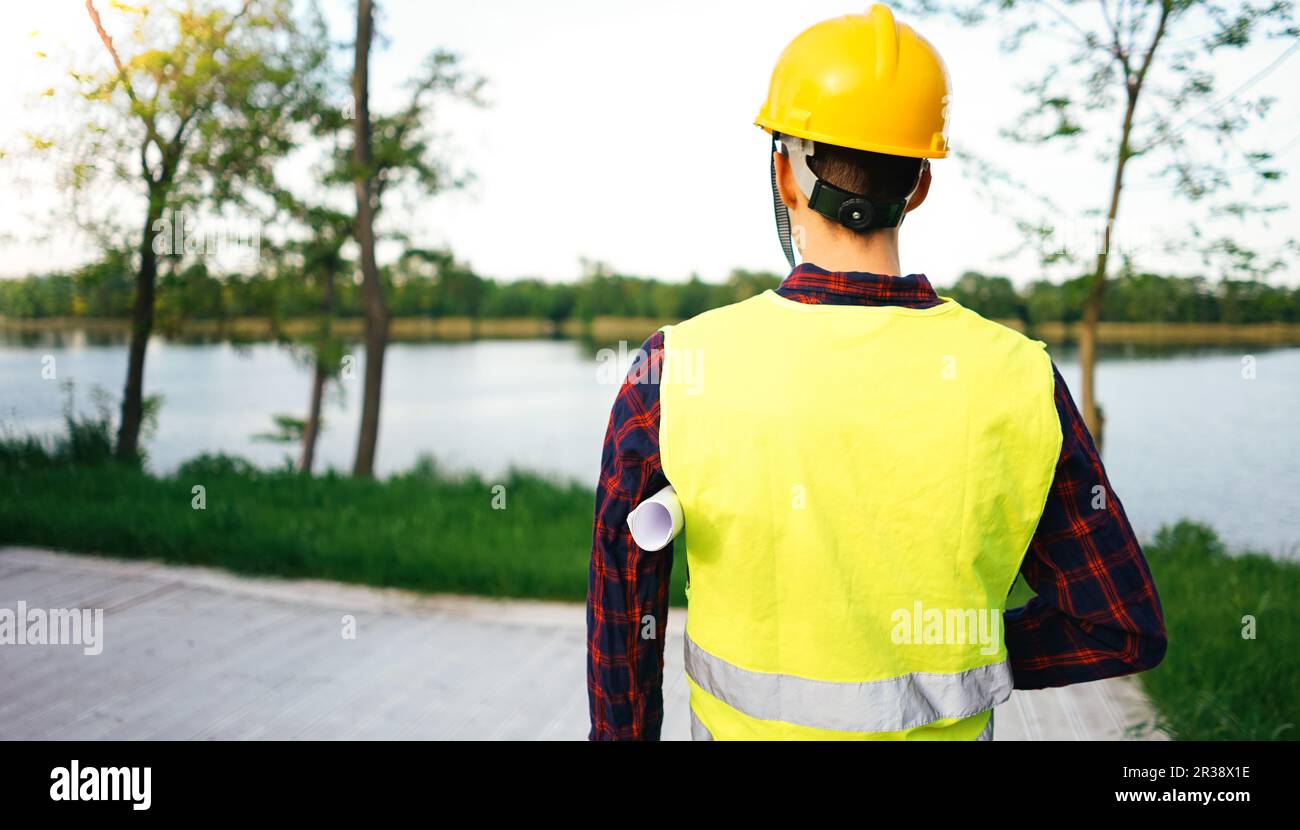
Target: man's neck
[876,253]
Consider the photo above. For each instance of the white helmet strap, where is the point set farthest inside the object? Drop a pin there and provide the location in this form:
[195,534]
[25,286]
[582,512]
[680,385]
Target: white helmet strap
[798,151]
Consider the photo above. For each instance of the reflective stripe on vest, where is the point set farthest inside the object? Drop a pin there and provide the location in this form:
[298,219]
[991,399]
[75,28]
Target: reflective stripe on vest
[859,486]
[890,705]
[699,732]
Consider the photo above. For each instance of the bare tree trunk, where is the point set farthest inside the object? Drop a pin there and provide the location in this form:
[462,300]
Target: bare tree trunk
[320,374]
[372,289]
[128,432]
[1092,308]
[311,429]
[1092,412]
[1092,415]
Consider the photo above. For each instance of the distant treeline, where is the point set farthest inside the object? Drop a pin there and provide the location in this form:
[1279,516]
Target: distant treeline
[434,284]
[1131,298]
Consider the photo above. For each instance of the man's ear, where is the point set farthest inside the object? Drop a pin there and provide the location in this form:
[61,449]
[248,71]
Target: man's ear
[922,188]
[785,183]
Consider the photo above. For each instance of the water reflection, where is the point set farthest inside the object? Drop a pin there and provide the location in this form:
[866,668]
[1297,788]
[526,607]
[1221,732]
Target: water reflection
[1187,434]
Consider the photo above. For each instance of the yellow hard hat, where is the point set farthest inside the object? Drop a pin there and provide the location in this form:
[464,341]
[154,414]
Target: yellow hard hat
[861,81]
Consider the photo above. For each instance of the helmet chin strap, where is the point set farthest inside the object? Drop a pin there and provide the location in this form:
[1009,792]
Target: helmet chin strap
[851,210]
[779,208]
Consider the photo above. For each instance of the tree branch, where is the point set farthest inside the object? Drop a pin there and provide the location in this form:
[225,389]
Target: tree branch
[151,131]
[1117,48]
[1166,9]
[1088,37]
[104,36]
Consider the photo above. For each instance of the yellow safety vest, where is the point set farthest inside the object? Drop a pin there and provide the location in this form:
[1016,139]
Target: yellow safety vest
[859,485]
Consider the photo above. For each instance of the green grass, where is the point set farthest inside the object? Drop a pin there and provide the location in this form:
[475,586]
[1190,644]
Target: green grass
[426,530]
[421,530]
[429,530]
[1213,684]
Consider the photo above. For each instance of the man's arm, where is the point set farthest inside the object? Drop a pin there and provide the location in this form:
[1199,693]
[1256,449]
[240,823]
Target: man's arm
[1096,613]
[627,590]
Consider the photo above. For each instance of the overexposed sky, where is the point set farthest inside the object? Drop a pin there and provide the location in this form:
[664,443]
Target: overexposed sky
[623,132]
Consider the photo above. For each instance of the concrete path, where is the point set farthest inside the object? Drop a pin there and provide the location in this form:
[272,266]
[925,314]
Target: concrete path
[200,653]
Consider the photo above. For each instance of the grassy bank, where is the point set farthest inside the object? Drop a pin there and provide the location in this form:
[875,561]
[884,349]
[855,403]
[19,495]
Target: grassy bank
[429,530]
[1214,684]
[424,530]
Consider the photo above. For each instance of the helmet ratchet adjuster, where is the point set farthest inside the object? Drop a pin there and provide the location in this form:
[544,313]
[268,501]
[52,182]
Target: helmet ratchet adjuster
[854,212]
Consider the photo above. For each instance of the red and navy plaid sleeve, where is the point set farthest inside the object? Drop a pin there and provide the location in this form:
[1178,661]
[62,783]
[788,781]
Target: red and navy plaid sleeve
[1096,613]
[627,590]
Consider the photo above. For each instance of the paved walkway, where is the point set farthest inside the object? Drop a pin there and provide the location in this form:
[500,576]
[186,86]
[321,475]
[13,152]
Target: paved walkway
[200,653]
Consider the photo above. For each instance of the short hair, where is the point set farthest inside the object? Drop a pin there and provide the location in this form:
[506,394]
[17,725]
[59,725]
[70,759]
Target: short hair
[875,176]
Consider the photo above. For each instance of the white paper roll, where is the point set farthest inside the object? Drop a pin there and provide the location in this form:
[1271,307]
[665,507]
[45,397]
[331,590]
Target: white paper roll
[656,521]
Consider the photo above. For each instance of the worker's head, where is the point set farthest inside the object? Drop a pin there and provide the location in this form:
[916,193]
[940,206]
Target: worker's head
[845,192]
[858,105]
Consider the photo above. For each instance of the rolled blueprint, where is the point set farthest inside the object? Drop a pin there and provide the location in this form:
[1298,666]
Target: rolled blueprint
[656,521]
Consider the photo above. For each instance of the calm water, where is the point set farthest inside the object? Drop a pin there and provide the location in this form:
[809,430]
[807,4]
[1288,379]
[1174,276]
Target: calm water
[1186,434]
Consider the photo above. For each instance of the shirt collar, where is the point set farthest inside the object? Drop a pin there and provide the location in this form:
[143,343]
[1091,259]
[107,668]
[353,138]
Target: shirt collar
[809,284]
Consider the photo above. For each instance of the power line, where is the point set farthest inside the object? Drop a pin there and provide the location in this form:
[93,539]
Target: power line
[1256,78]
[1295,139]
[1157,182]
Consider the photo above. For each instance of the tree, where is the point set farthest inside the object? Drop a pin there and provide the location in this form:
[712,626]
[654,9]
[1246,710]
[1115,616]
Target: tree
[363,182]
[204,103]
[993,297]
[1118,56]
[323,260]
[311,258]
[306,274]
[388,151]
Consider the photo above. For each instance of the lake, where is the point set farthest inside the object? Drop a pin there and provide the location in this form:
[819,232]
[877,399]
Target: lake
[1187,434]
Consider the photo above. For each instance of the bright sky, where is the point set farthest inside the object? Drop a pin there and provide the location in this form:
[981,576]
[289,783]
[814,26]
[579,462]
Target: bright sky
[622,132]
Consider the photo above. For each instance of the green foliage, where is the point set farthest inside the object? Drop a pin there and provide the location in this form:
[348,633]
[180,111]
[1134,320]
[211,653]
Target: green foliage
[286,429]
[1131,298]
[405,146]
[101,289]
[194,103]
[434,284]
[87,442]
[993,297]
[1214,684]
[216,465]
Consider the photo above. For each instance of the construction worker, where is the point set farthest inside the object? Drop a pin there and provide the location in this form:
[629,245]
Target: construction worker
[863,466]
